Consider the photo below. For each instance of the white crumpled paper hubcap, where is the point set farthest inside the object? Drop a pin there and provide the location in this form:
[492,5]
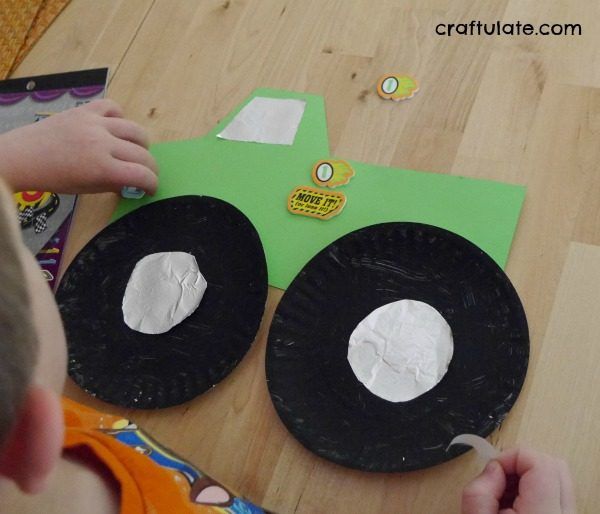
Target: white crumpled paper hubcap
[401,350]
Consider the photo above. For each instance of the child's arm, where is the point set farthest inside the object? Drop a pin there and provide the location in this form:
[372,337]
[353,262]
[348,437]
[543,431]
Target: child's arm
[88,149]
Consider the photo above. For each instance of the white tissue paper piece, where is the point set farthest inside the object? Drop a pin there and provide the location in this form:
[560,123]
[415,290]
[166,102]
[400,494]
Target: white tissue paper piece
[401,350]
[485,451]
[163,289]
[266,120]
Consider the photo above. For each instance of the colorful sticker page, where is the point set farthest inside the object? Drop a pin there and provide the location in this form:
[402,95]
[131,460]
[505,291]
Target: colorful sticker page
[257,178]
[45,217]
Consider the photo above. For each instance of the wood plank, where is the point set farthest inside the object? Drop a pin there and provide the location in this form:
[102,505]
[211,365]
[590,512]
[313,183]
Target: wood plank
[87,34]
[564,59]
[562,411]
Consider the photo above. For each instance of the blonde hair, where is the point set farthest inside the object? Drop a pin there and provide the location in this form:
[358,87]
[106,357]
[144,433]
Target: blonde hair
[18,340]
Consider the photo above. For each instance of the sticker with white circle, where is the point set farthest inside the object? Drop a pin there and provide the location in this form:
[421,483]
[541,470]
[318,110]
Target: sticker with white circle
[324,172]
[332,173]
[397,87]
[389,85]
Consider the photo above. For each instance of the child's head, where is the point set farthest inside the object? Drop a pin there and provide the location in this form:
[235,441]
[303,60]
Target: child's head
[32,361]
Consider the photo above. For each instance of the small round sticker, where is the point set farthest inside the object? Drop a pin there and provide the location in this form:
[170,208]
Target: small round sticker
[324,172]
[396,87]
[332,173]
[389,85]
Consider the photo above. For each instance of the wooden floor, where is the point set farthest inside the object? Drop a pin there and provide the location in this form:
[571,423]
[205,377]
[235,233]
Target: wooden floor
[524,110]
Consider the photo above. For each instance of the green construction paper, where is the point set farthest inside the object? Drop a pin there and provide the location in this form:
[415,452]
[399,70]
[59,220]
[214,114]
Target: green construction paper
[257,179]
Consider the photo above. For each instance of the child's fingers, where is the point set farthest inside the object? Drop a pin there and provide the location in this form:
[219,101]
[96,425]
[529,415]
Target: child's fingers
[134,174]
[482,495]
[127,130]
[128,151]
[539,480]
[519,461]
[508,459]
[104,107]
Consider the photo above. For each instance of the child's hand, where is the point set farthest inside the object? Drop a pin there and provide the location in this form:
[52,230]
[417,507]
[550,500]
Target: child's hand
[88,149]
[521,481]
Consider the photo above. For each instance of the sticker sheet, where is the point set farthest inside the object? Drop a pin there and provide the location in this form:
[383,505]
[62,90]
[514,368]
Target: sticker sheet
[44,216]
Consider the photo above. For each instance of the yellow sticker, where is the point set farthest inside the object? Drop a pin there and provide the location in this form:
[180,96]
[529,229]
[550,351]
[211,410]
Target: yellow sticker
[316,203]
[120,424]
[33,199]
[332,173]
[397,87]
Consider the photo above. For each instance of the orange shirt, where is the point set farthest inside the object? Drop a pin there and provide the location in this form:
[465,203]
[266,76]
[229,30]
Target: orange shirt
[152,479]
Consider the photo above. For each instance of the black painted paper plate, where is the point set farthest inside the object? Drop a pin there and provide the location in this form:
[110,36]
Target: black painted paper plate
[121,366]
[311,383]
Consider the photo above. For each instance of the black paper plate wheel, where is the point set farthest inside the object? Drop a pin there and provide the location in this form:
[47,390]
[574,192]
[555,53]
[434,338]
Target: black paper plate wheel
[314,389]
[128,368]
